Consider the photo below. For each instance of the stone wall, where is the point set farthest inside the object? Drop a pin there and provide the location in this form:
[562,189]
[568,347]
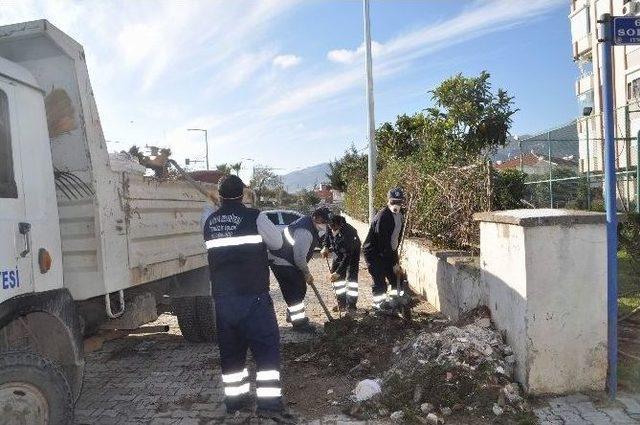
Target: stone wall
[449,280]
[542,273]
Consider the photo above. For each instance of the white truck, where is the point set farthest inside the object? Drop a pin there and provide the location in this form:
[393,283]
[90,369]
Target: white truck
[78,239]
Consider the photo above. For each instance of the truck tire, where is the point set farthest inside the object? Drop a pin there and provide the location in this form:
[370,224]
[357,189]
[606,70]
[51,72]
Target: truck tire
[187,313]
[206,318]
[33,390]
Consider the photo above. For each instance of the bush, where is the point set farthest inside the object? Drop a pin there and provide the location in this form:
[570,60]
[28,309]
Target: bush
[356,199]
[439,157]
[629,238]
[508,189]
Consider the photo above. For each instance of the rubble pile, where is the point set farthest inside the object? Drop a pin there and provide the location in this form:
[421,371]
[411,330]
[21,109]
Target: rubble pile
[358,347]
[457,370]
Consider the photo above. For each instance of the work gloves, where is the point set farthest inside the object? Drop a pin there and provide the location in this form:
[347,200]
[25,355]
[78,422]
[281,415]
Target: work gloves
[398,270]
[324,252]
[309,279]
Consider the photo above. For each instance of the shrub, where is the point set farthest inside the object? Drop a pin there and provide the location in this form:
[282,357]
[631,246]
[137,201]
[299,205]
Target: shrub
[508,189]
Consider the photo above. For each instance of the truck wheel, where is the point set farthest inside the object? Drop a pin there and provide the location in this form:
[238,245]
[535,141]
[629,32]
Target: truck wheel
[33,390]
[206,318]
[187,313]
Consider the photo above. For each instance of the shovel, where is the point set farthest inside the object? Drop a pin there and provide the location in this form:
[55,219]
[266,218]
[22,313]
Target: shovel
[334,290]
[322,304]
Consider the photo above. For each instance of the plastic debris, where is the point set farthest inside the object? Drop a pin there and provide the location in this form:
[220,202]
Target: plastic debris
[367,389]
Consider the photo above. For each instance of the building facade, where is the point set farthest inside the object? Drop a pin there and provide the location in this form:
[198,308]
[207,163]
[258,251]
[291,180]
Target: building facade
[626,63]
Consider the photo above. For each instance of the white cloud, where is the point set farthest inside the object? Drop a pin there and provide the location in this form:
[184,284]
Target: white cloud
[349,56]
[400,52]
[159,68]
[286,61]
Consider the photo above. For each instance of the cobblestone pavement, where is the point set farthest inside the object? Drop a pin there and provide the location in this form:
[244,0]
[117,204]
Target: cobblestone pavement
[582,409]
[162,379]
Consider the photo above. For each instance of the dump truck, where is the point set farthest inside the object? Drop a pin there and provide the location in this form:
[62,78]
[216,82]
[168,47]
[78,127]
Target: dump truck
[82,245]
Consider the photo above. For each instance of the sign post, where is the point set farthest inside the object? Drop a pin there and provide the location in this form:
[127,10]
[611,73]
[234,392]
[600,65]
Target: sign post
[621,30]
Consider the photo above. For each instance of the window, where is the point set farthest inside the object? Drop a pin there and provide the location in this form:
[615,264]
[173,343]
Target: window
[273,217]
[633,89]
[289,218]
[8,187]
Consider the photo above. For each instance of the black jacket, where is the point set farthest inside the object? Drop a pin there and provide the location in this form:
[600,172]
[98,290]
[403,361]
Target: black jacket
[345,245]
[378,242]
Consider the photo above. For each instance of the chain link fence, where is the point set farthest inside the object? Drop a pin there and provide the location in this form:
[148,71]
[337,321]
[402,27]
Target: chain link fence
[564,165]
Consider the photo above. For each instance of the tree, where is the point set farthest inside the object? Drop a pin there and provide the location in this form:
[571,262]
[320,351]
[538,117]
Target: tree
[236,167]
[224,168]
[352,165]
[264,183]
[307,200]
[467,121]
[402,139]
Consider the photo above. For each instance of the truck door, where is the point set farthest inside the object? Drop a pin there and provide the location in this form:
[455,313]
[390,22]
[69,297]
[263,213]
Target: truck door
[15,246]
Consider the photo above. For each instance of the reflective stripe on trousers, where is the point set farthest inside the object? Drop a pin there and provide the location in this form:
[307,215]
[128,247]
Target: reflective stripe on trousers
[268,384]
[378,299]
[297,312]
[340,287]
[236,384]
[352,289]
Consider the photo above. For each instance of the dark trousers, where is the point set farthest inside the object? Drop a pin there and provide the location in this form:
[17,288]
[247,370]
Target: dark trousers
[249,322]
[381,271]
[294,289]
[346,287]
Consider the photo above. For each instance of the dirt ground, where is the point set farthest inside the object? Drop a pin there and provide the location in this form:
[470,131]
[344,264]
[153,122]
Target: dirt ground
[159,378]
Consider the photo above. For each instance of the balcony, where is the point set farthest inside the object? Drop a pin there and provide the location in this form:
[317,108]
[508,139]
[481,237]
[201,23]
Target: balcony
[578,4]
[584,85]
[580,20]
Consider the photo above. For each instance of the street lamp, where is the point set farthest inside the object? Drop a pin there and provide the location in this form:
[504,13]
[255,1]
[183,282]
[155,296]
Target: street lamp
[371,122]
[206,142]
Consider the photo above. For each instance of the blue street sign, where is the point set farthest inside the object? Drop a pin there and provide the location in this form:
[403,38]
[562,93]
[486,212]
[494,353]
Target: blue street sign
[626,30]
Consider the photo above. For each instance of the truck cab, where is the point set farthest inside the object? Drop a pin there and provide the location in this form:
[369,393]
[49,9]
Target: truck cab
[79,240]
[45,341]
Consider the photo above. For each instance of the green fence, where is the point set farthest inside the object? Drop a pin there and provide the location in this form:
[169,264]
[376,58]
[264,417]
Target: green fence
[563,166]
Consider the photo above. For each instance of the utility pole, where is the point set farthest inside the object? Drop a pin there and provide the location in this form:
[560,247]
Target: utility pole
[206,142]
[606,46]
[370,112]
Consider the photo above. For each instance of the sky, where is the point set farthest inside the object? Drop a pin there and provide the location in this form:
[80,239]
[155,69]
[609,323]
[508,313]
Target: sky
[281,83]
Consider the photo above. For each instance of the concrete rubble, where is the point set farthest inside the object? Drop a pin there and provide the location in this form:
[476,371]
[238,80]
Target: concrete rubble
[441,373]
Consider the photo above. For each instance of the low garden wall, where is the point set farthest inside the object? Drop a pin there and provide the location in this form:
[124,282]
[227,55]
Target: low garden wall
[542,273]
[449,280]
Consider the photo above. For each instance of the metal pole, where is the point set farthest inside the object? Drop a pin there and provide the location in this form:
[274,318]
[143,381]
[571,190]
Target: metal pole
[638,173]
[610,200]
[206,142]
[370,112]
[627,151]
[550,172]
[588,169]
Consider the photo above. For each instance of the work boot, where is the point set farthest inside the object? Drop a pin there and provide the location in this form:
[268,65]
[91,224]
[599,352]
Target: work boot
[339,307]
[243,404]
[282,416]
[303,326]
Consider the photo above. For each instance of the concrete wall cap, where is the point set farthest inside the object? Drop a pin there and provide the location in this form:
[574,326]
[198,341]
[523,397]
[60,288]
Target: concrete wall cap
[541,217]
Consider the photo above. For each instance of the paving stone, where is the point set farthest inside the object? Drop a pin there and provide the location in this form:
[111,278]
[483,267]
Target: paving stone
[631,405]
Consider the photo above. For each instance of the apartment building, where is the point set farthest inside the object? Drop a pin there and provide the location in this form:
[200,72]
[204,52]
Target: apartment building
[626,63]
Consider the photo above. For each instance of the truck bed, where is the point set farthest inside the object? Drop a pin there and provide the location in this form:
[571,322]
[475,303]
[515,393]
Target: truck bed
[161,226]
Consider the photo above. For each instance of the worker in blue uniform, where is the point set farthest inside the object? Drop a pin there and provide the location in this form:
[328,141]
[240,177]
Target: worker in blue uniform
[237,239]
[289,263]
[342,240]
[381,249]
